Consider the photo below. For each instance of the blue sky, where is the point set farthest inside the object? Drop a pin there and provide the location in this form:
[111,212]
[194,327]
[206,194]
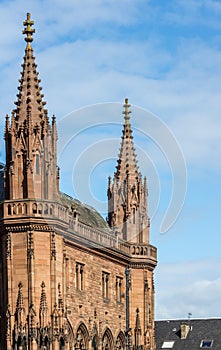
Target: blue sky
[165,56]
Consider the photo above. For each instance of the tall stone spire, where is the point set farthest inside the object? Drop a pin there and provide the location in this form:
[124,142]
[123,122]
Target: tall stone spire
[30,139]
[30,104]
[127,194]
[127,162]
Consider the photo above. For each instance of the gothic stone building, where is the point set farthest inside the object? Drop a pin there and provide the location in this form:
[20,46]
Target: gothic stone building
[69,279]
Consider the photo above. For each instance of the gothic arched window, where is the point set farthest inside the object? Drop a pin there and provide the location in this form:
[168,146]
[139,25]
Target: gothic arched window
[82,336]
[107,340]
[120,341]
[62,344]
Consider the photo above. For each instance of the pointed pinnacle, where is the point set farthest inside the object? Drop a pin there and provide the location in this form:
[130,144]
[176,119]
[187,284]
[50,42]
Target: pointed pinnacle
[43,301]
[20,297]
[137,319]
[28,31]
[126,112]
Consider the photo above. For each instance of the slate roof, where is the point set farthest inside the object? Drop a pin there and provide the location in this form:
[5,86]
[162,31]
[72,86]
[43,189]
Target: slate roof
[200,329]
[87,214]
[1,182]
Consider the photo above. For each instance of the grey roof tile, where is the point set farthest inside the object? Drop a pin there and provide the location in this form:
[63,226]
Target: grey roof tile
[200,329]
[87,214]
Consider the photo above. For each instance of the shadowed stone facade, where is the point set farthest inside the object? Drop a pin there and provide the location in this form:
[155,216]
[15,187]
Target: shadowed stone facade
[1,182]
[69,280]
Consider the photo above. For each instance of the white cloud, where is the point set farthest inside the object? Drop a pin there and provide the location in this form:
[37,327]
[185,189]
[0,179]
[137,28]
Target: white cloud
[188,287]
[192,100]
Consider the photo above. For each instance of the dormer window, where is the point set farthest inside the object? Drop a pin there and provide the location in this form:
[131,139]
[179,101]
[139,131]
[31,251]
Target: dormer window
[206,343]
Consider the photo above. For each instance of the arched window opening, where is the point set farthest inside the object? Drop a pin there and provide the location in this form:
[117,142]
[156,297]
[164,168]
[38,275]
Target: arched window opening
[46,209]
[82,335]
[40,209]
[94,343]
[21,343]
[9,209]
[25,208]
[19,208]
[120,341]
[62,344]
[34,208]
[51,210]
[14,209]
[107,340]
[44,342]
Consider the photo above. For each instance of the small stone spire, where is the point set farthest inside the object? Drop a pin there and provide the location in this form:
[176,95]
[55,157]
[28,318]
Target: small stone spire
[30,105]
[137,329]
[29,31]
[43,301]
[60,300]
[43,311]
[60,308]
[20,303]
[20,310]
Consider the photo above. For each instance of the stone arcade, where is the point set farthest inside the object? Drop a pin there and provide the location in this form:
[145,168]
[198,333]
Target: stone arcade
[69,280]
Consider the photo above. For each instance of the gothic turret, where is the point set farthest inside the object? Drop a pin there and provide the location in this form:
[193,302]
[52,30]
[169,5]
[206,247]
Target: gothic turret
[31,170]
[127,194]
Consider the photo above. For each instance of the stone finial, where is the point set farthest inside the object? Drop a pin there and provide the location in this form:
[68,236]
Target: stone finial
[126,111]
[43,300]
[20,304]
[138,327]
[28,31]
[60,300]
[43,310]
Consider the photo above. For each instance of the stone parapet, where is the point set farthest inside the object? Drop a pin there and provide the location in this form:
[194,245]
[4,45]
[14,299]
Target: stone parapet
[48,210]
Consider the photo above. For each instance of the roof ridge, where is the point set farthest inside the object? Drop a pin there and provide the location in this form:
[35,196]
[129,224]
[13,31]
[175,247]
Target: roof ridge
[186,319]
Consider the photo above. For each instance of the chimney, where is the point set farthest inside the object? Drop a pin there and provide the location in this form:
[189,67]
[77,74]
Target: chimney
[184,328]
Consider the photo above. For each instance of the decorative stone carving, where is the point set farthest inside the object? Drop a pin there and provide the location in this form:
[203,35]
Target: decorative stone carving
[8,246]
[53,246]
